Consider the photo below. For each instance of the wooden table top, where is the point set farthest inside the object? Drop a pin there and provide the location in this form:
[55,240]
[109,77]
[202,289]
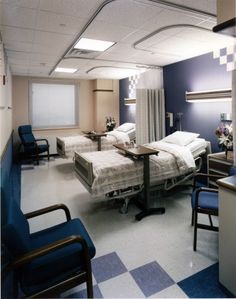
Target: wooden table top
[136,151]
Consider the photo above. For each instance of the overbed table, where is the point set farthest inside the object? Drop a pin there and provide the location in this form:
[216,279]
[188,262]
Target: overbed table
[144,153]
[95,136]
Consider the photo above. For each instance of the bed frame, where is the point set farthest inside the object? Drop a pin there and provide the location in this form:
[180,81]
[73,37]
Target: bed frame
[84,171]
[60,149]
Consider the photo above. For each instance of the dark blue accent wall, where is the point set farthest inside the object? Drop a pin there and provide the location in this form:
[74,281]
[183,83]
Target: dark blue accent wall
[199,73]
[127,113]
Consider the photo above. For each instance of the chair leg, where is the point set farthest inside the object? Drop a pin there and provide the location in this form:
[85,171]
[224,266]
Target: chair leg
[48,156]
[89,284]
[37,159]
[192,217]
[195,231]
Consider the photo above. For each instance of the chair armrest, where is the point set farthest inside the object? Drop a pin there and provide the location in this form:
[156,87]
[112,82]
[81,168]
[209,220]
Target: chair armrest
[48,210]
[34,254]
[200,174]
[205,175]
[42,139]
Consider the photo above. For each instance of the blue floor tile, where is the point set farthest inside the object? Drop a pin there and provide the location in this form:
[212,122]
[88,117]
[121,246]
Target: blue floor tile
[107,266]
[204,284]
[151,278]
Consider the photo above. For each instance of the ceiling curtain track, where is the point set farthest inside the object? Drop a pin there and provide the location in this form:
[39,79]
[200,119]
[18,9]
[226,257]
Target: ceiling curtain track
[162,2]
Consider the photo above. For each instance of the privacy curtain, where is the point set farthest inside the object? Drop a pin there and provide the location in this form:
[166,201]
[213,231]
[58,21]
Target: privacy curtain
[150,115]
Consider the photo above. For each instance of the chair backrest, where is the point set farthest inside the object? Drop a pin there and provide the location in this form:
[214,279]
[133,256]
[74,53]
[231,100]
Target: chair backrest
[14,227]
[232,170]
[26,135]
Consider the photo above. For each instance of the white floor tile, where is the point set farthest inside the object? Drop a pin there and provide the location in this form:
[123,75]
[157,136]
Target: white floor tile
[122,286]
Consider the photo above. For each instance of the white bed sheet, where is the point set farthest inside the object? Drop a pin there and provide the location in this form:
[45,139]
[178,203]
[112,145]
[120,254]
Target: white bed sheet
[81,143]
[113,171]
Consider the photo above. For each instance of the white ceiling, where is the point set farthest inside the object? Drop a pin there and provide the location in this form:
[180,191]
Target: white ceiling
[39,34]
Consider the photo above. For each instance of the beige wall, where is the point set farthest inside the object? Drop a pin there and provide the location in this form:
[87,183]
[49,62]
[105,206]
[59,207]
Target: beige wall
[5,102]
[21,104]
[106,100]
[226,10]
[88,109]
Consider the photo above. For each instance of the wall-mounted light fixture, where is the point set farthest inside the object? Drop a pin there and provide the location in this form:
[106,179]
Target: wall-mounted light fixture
[219,95]
[130,101]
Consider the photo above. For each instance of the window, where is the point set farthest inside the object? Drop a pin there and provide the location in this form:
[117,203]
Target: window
[53,105]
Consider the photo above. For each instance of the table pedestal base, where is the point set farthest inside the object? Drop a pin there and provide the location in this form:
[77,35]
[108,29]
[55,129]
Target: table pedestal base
[149,212]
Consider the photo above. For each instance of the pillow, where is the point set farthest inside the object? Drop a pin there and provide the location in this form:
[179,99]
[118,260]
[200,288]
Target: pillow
[126,127]
[181,138]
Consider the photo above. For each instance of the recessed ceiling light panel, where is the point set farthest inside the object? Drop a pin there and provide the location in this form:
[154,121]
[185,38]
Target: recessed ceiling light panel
[93,44]
[65,70]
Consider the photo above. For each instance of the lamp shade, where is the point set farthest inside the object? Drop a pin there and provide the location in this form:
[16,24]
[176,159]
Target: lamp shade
[209,95]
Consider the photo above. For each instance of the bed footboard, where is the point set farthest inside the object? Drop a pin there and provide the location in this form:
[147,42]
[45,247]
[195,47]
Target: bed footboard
[84,169]
[60,148]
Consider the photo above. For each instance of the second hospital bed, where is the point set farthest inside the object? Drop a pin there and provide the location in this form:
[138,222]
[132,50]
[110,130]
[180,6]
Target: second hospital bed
[111,173]
[66,146]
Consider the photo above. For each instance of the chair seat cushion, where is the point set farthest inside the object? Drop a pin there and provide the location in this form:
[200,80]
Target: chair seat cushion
[42,148]
[54,267]
[32,149]
[206,200]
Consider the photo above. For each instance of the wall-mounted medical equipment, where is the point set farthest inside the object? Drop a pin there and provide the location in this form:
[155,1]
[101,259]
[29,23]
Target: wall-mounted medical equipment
[170,116]
[226,117]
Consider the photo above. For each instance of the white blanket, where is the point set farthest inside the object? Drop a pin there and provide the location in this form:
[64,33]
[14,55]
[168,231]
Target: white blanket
[113,171]
[81,143]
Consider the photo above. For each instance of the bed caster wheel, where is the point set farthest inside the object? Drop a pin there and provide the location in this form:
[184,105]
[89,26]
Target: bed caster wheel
[124,208]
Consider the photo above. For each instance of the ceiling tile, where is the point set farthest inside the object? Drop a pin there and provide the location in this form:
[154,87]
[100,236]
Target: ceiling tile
[54,40]
[22,3]
[170,17]
[47,21]
[18,46]
[128,13]
[80,8]
[18,16]
[17,34]
[107,31]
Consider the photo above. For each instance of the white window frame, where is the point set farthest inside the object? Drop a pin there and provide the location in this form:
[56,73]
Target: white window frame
[76,112]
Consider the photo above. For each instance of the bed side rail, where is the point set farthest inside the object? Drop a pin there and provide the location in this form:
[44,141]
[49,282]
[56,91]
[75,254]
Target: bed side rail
[84,169]
[173,182]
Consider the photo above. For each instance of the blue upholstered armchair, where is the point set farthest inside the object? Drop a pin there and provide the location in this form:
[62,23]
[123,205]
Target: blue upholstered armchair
[48,262]
[205,200]
[32,147]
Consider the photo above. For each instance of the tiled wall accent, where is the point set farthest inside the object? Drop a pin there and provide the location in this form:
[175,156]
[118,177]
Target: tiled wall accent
[133,81]
[226,56]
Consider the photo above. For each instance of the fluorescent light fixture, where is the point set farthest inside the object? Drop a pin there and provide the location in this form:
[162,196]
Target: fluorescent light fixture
[129,101]
[93,44]
[65,70]
[218,95]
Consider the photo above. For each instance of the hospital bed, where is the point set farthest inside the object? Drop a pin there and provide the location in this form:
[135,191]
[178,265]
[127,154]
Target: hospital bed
[66,146]
[114,174]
